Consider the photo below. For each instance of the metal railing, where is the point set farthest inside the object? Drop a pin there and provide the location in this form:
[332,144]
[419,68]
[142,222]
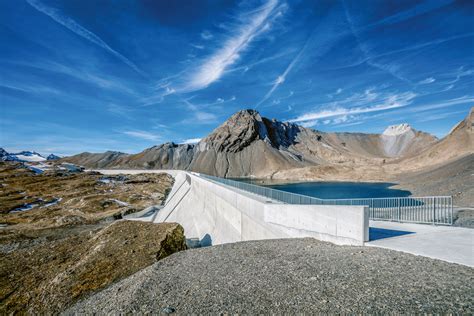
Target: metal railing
[437,210]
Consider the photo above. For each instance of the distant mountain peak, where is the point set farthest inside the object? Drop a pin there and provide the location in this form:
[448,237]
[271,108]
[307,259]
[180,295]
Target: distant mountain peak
[53,157]
[28,156]
[3,154]
[395,130]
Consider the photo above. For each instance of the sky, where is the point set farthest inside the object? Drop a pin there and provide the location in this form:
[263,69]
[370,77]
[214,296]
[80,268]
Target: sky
[97,75]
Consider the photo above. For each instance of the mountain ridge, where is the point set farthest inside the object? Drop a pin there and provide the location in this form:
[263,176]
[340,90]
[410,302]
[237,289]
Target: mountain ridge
[249,145]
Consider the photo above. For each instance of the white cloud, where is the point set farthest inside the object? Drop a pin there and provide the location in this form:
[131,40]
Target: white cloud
[427,80]
[412,12]
[198,115]
[142,135]
[191,141]
[78,29]
[202,116]
[443,104]
[213,67]
[385,102]
[119,110]
[206,35]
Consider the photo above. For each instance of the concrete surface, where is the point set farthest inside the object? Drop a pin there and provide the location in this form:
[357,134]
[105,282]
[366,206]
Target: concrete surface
[224,214]
[451,244]
[216,213]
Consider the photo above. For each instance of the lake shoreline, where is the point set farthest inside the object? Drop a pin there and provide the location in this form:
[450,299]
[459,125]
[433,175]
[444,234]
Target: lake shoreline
[334,189]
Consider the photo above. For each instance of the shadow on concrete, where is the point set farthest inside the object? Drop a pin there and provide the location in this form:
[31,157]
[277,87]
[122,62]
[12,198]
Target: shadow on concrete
[381,233]
[206,241]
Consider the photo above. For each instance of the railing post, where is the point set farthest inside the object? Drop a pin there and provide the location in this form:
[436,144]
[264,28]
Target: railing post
[371,209]
[451,210]
[434,211]
[399,210]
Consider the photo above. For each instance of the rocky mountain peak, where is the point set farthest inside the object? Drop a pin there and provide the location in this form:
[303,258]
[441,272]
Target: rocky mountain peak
[239,131]
[247,126]
[395,130]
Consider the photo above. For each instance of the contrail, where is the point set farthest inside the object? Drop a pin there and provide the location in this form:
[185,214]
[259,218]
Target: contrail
[81,31]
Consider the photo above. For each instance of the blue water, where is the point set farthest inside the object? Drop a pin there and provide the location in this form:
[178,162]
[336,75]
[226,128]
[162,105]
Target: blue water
[338,190]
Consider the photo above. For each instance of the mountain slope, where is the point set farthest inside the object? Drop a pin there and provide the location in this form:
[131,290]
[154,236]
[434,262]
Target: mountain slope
[458,143]
[96,160]
[248,144]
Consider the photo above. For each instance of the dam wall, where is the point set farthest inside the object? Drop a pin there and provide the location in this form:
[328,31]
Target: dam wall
[216,213]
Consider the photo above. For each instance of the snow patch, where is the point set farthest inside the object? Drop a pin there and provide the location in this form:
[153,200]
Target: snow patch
[53,202]
[121,203]
[327,146]
[395,130]
[25,207]
[32,158]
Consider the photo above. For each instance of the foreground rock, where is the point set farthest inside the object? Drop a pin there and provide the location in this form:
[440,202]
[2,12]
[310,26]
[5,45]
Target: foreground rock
[49,277]
[289,276]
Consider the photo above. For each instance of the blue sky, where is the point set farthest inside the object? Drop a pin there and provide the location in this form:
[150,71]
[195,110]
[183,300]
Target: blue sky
[102,75]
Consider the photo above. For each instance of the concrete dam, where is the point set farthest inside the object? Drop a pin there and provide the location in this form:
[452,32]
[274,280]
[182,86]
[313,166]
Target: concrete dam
[213,213]
[216,213]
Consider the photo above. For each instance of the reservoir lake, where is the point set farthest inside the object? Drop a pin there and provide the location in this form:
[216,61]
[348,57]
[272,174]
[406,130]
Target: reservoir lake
[335,190]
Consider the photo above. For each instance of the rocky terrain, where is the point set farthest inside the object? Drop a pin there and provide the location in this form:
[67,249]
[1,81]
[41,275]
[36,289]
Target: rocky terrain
[289,276]
[60,239]
[249,145]
[57,198]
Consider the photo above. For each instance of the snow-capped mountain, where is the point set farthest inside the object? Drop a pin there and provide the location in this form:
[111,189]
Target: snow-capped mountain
[29,156]
[403,140]
[25,156]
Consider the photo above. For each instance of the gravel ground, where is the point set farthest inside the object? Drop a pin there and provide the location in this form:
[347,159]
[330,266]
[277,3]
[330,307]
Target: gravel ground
[289,276]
